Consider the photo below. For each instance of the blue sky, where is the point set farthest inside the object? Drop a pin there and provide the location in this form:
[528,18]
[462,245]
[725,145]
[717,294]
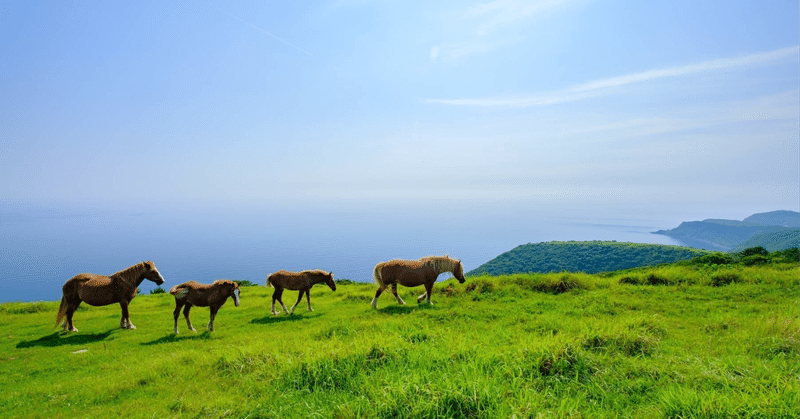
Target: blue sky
[683,106]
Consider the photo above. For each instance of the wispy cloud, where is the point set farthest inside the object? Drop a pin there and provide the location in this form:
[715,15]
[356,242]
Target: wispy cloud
[482,25]
[597,87]
[271,35]
[501,13]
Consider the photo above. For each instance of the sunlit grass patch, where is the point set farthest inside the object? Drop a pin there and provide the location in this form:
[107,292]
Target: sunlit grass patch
[492,347]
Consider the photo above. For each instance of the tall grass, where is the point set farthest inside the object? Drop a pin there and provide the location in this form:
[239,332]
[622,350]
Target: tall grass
[666,342]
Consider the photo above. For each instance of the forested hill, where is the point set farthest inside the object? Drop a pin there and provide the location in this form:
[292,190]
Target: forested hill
[589,257]
[776,230]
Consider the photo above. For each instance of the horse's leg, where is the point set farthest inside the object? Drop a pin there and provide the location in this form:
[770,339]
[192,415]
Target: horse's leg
[397,297]
[280,300]
[377,294]
[274,298]
[429,291]
[68,326]
[213,314]
[308,299]
[423,296]
[186,315]
[299,297]
[125,322]
[177,313]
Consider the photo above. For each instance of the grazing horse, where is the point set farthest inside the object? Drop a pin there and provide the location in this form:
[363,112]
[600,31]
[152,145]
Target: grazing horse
[193,293]
[413,273]
[302,281]
[99,290]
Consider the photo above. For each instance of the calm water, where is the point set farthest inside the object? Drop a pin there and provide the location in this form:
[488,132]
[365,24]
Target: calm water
[40,249]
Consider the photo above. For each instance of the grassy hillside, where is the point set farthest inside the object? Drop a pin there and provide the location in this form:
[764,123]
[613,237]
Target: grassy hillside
[776,218]
[588,257]
[731,235]
[779,240]
[700,340]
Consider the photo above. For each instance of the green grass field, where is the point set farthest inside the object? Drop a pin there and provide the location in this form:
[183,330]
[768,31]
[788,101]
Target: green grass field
[667,342]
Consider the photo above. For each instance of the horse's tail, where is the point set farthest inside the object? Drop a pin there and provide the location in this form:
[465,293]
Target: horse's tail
[269,281]
[376,274]
[179,291]
[62,311]
[67,290]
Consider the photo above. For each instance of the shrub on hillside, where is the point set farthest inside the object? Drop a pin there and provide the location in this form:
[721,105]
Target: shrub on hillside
[158,290]
[792,255]
[343,281]
[716,258]
[751,251]
[755,260]
[246,283]
[724,279]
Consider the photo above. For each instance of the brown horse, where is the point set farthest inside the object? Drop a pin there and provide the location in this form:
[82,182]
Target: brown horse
[201,295]
[99,290]
[413,273]
[302,281]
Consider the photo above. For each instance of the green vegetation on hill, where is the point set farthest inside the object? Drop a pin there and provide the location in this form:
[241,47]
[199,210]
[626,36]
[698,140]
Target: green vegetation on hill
[763,230]
[692,340]
[776,218]
[589,257]
[779,240]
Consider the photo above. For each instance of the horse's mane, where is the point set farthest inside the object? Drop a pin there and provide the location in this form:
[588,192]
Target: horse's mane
[441,263]
[315,271]
[131,274]
[223,282]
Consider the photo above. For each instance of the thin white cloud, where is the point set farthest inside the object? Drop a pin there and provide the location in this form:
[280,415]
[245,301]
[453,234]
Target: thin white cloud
[501,13]
[596,87]
[484,22]
[271,35]
[434,52]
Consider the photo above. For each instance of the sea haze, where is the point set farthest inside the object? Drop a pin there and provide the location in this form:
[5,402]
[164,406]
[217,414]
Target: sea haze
[41,248]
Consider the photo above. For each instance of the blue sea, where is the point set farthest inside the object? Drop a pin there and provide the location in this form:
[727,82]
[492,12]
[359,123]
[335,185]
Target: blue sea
[41,248]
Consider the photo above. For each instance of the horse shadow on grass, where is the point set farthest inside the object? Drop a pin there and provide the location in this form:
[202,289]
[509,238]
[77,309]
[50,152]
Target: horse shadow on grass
[272,319]
[172,337]
[65,338]
[405,309]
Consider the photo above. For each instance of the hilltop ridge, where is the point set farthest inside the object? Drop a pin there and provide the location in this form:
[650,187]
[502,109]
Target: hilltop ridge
[588,257]
[775,230]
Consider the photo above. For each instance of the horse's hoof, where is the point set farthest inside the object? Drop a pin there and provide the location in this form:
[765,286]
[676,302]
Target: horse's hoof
[193,329]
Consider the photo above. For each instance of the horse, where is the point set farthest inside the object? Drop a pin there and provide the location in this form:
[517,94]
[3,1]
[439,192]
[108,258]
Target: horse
[413,273]
[297,281]
[193,293]
[99,290]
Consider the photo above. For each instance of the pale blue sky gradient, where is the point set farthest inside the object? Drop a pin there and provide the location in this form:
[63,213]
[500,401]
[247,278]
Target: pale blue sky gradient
[682,106]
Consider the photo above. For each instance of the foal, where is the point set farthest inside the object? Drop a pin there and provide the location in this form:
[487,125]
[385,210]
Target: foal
[201,295]
[302,281]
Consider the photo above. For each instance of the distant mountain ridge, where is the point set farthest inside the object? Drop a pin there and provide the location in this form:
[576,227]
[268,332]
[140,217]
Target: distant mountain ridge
[776,230]
[588,257]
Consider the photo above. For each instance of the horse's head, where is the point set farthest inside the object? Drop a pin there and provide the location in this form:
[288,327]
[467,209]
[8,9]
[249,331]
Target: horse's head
[329,281]
[235,293]
[152,273]
[458,272]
